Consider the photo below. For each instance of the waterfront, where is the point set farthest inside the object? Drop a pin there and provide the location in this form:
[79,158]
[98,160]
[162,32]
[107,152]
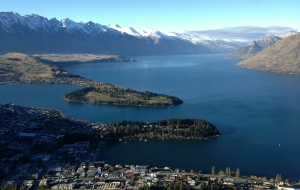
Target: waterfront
[256,111]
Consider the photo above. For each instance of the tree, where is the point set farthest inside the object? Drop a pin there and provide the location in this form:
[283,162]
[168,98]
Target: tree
[228,172]
[287,181]
[213,170]
[42,187]
[170,187]
[111,168]
[202,185]
[238,173]
[278,178]
[5,186]
[221,173]
[181,187]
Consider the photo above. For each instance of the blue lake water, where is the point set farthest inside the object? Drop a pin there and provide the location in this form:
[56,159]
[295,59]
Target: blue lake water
[255,111]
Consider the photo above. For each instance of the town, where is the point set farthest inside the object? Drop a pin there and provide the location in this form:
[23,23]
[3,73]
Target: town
[42,149]
[61,79]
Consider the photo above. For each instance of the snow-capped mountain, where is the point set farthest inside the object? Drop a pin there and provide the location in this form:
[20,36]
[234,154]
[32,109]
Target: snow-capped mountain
[213,44]
[37,34]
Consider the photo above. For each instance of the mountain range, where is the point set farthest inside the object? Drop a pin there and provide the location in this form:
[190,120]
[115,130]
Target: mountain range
[36,34]
[283,57]
[258,45]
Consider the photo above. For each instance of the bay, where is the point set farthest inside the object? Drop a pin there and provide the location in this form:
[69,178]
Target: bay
[254,110]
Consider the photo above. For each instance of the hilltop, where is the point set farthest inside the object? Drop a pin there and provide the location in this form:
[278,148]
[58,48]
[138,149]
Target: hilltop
[254,47]
[281,57]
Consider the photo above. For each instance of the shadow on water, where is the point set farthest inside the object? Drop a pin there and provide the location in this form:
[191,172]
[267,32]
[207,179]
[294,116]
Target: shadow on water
[225,129]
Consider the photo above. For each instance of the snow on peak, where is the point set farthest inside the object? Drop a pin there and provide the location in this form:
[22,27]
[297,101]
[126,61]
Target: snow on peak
[290,33]
[36,22]
[127,30]
[157,35]
[89,27]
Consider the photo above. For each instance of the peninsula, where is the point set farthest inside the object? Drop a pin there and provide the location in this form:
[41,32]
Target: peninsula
[173,128]
[47,69]
[61,60]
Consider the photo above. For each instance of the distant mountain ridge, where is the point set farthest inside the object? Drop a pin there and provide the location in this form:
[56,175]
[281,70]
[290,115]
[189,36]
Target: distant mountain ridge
[254,47]
[37,34]
[283,57]
[258,45]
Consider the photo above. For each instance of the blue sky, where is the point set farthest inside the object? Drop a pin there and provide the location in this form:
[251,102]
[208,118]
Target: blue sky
[200,16]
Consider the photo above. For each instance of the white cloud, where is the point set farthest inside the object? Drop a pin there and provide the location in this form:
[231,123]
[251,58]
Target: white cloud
[242,33]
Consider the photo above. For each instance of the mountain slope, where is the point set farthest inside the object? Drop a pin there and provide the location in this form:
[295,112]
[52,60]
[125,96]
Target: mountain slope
[283,57]
[254,47]
[18,64]
[37,34]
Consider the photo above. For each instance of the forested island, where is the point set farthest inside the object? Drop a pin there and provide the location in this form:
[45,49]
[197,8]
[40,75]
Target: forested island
[112,95]
[170,129]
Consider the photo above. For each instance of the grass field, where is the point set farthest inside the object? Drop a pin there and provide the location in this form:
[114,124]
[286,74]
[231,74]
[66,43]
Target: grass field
[17,63]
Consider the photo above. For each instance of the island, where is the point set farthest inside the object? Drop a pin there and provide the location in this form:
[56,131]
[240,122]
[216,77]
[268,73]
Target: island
[18,68]
[112,95]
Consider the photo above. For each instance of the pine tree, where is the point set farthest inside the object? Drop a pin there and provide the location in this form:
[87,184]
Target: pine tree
[227,172]
[213,170]
[238,173]
[278,178]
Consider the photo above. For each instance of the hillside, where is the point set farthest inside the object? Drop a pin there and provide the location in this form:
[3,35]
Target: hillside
[18,64]
[283,57]
[254,47]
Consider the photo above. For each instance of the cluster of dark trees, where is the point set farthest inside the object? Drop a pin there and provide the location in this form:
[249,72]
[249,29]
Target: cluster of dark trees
[181,184]
[170,128]
[122,96]
[66,75]
[78,95]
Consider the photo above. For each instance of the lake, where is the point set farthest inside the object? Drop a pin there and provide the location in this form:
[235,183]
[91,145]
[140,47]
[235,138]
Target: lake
[254,110]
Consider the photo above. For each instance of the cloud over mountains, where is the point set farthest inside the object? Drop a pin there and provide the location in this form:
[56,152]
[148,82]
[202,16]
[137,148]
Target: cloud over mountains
[242,33]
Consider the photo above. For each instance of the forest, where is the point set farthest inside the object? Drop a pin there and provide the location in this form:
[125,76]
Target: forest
[169,129]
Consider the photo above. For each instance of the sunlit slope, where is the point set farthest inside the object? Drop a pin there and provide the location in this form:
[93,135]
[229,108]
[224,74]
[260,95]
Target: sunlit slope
[281,57]
[13,64]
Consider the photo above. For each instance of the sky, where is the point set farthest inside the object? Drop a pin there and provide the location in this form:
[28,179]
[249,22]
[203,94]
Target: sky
[240,19]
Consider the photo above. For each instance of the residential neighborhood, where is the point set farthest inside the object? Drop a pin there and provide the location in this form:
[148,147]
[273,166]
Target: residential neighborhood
[38,151]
